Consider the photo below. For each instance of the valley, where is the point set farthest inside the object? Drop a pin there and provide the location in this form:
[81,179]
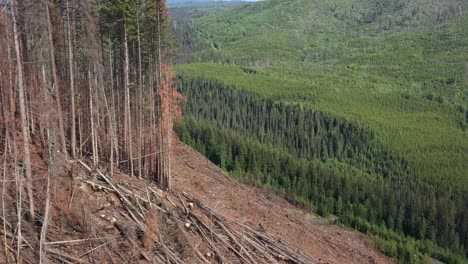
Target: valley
[203,131]
[394,73]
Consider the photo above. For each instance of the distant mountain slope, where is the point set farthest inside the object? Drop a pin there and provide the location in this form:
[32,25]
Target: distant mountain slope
[397,68]
[188,1]
[177,2]
[288,27]
[335,61]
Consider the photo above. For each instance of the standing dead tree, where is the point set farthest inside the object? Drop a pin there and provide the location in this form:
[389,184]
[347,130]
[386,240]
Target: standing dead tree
[145,136]
[170,110]
[52,154]
[72,84]
[128,114]
[83,79]
[24,122]
[55,85]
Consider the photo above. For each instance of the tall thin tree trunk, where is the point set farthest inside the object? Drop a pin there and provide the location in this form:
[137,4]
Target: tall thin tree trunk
[127,104]
[52,143]
[80,133]
[100,87]
[169,154]
[164,164]
[152,122]
[111,117]
[30,110]
[72,85]
[140,90]
[98,117]
[4,100]
[19,208]
[45,223]
[91,117]
[160,116]
[24,122]
[11,90]
[4,183]
[56,87]
[114,136]
[159,44]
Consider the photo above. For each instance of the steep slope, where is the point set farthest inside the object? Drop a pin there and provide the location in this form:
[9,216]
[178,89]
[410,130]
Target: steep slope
[316,236]
[207,218]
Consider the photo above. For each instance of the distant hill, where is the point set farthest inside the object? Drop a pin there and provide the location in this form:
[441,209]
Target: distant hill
[175,2]
[189,1]
[396,68]
[286,28]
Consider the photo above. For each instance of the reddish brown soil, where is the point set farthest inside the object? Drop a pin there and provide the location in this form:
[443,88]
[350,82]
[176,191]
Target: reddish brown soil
[83,210]
[196,175]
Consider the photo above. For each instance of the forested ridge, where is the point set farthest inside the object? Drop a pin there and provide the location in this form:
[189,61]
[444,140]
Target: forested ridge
[358,110]
[355,110]
[329,166]
[411,218]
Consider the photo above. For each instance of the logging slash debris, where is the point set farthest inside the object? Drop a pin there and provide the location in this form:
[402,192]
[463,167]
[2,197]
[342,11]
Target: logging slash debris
[99,218]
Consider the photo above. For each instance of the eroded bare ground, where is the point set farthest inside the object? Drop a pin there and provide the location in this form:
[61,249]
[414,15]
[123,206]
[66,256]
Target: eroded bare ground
[326,243]
[207,218]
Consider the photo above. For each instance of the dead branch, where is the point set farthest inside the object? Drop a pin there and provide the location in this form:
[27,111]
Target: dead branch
[77,241]
[64,255]
[93,249]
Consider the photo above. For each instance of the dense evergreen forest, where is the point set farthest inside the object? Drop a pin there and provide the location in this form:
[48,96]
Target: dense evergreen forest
[410,218]
[324,164]
[353,110]
[304,132]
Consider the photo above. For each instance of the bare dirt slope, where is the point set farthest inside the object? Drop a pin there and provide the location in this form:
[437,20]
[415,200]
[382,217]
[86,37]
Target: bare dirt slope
[196,175]
[207,218]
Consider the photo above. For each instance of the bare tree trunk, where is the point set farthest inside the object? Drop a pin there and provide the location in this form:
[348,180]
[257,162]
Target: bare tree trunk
[169,156]
[103,95]
[111,149]
[4,101]
[11,91]
[72,86]
[56,86]
[24,122]
[151,124]
[164,160]
[19,202]
[140,89]
[161,119]
[91,117]
[97,125]
[80,134]
[159,45]
[5,241]
[29,111]
[127,104]
[52,143]
[113,122]
[45,224]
